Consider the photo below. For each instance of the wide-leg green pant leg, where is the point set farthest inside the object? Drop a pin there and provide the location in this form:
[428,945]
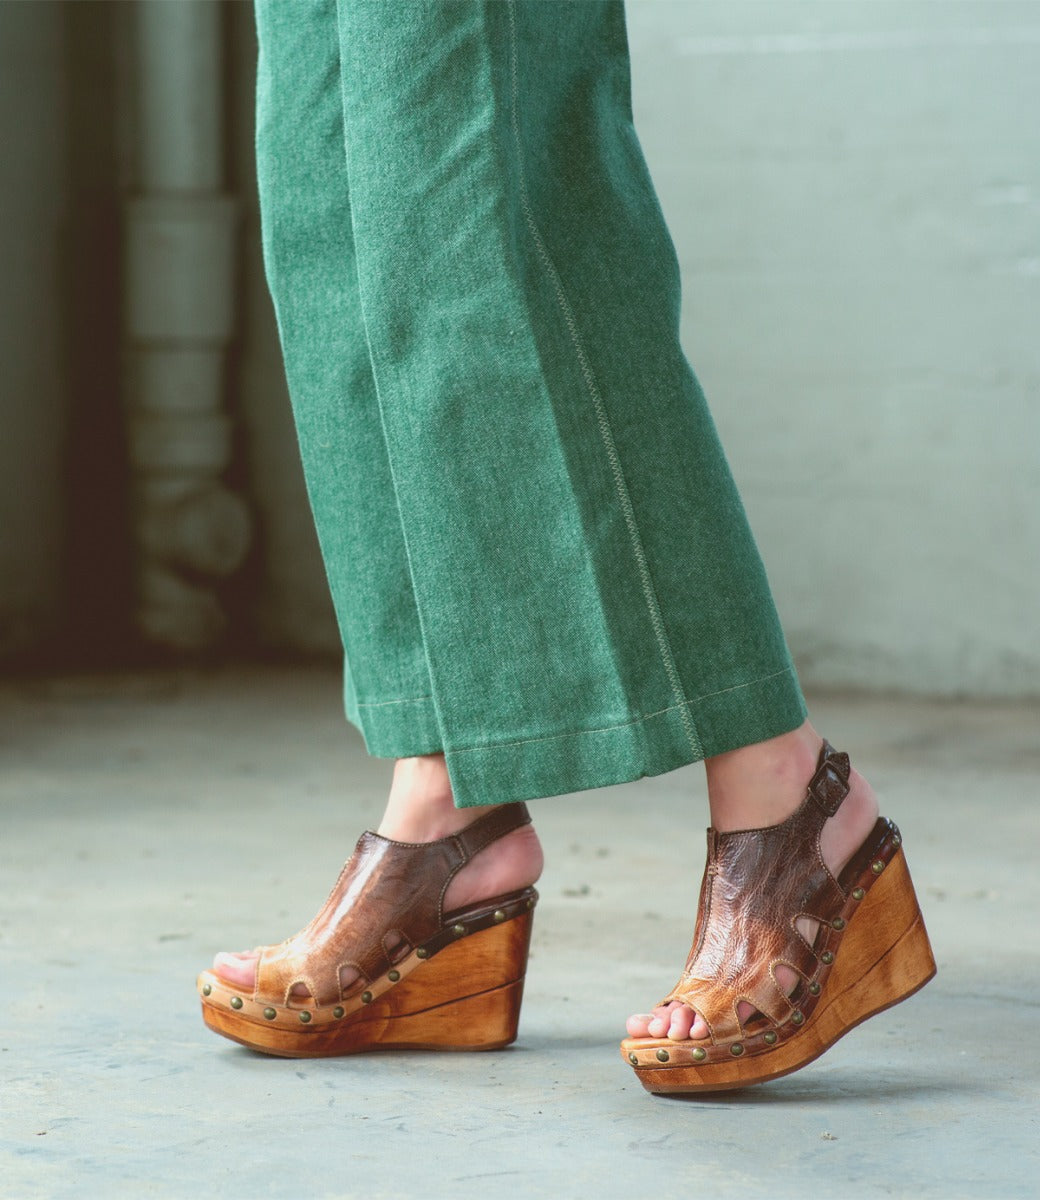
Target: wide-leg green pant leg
[590,603]
[309,259]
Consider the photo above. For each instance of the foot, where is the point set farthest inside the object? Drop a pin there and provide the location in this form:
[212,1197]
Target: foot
[751,788]
[421,809]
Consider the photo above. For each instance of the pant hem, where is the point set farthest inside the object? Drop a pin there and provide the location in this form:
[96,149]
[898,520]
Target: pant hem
[395,728]
[576,761]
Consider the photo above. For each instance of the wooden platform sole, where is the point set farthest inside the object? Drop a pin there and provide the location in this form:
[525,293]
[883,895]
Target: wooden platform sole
[465,996]
[884,957]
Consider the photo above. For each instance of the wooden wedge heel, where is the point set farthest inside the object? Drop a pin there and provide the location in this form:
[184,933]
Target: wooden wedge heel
[425,979]
[870,949]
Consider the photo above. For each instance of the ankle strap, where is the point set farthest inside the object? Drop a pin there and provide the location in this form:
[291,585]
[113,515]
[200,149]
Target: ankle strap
[830,784]
[489,828]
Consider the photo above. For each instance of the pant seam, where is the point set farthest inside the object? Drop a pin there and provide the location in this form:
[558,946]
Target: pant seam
[366,323]
[602,421]
[384,703]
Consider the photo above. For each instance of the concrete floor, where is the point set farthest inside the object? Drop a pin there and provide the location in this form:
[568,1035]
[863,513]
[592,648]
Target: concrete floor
[149,820]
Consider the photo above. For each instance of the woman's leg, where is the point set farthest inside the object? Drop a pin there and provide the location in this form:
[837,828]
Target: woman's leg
[310,262]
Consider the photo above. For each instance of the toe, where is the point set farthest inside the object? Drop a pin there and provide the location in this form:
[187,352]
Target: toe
[681,1022]
[661,1020]
[647,1024]
[676,1021]
[638,1024]
[237,969]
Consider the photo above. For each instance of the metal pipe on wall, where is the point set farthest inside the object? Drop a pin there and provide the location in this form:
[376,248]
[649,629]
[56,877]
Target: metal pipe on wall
[191,529]
[33,199]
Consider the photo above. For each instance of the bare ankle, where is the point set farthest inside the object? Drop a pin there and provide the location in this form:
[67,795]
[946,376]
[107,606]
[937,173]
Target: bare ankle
[421,804]
[764,783]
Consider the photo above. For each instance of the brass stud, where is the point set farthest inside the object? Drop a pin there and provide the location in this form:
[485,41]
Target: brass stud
[858,893]
[827,957]
[769,1037]
[814,987]
[797,1017]
[422,952]
[633,1058]
[530,902]
[896,840]
[838,923]
[366,997]
[236,1001]
[269,1014]
[305,1017]
[499,916]
[458,930]
[877,866]
[662,1056]
[338,1011]
[736,1049]
[393,976]
[699,1054]
[207,988]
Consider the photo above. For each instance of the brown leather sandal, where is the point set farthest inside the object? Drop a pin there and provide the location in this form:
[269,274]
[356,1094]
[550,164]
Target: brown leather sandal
[427,979]
[870,951]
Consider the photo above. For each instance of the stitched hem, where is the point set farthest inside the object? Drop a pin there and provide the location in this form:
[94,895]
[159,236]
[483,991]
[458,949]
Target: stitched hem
[553,765]
[393,728]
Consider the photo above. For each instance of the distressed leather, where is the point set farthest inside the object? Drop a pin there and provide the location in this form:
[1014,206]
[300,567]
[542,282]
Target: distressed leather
[387,901]
[757,883]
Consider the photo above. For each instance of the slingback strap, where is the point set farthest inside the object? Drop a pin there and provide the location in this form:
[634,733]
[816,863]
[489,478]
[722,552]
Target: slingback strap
[503,819]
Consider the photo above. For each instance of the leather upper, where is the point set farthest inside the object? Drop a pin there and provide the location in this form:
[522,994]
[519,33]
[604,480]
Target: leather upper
[756,884]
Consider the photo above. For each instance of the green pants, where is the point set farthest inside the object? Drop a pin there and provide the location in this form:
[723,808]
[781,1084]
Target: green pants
[538,558]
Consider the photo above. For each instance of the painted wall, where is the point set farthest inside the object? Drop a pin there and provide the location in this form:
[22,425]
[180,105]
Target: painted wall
[854,190]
